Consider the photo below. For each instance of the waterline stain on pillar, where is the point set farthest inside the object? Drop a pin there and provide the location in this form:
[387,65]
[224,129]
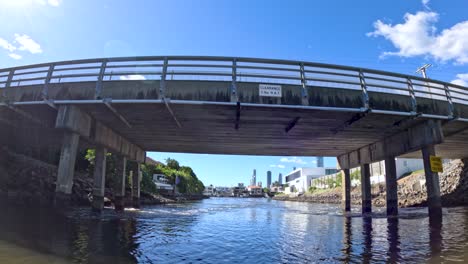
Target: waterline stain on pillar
[64,185]
[391,186]
[346,188]
[432,183]
[136,179]
[366,189]
[99,179]
[119,187]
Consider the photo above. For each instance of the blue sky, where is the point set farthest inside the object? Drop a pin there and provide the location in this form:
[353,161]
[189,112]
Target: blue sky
[397,35]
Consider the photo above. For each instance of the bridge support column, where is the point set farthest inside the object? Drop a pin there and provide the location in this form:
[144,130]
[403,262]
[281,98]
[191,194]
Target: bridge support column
[391,186]
[366,196]
[432,183]
[119,188]
[346,190]
[64,184]
[99,179]
[136,178]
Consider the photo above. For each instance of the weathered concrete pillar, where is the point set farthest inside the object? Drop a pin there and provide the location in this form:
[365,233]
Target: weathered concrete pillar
[432,183]
[366,196]
[391,186]
[66,169]
[346,190]
[136,178]
[119,188]
[99,179]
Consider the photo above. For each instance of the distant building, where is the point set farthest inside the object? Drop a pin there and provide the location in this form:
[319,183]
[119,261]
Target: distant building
[268,179]
[209,190]
[259,184]
[275,189]
[162,184]
[222,191]
[299,180]
[253,180]
[254,191]
[238,190]
[280,179]
[403,166]
[319,162]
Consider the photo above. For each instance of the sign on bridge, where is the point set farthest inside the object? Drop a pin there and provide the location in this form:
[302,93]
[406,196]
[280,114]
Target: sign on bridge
[436,164]
[270,90]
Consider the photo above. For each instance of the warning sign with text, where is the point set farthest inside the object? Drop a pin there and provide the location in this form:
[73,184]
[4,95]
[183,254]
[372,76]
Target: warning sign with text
[270,90]
[436,164]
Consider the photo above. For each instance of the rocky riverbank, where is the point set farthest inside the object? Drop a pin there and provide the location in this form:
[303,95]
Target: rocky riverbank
[411,189]
[29,181]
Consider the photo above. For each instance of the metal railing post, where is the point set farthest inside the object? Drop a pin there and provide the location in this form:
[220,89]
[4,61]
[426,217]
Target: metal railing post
[45,89]
[162,83]
[450,102]
[414,105]
[365,95]
[99,80]
[9,78]
[304,95]
[234,97]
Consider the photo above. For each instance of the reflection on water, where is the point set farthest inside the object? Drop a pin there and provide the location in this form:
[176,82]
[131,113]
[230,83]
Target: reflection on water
[231,230]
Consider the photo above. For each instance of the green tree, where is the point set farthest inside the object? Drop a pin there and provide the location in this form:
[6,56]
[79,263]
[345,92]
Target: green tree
[172,163]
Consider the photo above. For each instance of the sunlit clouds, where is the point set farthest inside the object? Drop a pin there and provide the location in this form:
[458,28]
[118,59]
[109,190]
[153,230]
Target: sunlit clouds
[21,43]
[462,79]
[418,36]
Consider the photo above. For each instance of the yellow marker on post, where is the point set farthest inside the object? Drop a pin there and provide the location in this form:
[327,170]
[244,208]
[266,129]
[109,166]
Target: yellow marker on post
[436,164]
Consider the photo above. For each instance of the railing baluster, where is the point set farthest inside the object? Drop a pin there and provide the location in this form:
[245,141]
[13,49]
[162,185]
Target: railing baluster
[45,89]
[162,83]
[365,95]
[414,105]
[450,103]
[99,80]
[10,78]
[304,95]
[234,97]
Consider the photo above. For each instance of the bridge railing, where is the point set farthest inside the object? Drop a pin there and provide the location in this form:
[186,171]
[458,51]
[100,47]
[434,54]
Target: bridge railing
[235,70]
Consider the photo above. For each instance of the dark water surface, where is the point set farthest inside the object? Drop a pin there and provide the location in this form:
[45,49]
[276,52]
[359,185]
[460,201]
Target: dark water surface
[228,230]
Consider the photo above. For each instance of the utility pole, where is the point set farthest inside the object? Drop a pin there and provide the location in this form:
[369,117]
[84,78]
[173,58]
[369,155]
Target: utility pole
[422,70]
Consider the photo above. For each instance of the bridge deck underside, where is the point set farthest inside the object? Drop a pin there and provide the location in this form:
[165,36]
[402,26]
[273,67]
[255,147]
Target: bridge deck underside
[209,128]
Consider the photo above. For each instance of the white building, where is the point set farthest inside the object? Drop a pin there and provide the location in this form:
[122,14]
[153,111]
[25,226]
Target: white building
[162,183]
[209,190]
[254,190]
[403,166]
[377,169]
[299,180]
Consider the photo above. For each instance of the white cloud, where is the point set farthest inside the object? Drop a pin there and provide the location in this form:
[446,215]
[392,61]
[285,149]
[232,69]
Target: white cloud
[425,3]
[462,79]
[417,36]
[278,166]
[26,43]
[132,77]
[54,2]
[15,56]
[293,160]
[4,44]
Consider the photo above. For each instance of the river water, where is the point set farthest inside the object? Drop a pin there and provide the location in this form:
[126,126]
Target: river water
[230,230]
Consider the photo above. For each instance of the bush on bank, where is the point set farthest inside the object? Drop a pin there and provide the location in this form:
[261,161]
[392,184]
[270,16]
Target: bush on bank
[188,181]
